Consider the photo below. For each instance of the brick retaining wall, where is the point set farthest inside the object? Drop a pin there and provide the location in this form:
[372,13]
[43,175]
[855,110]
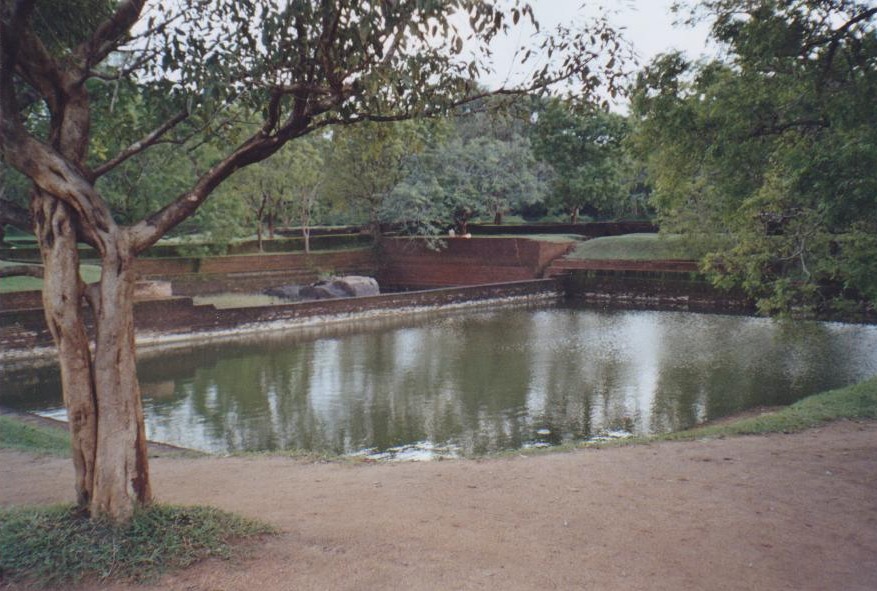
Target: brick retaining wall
[409,263]
[653,290]
[667,266]
[587,229]
[24,330]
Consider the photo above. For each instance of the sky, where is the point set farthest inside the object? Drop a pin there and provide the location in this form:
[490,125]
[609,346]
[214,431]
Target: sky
[647,24]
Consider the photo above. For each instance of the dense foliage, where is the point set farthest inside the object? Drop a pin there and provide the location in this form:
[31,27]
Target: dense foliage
[770,155]
[586,150]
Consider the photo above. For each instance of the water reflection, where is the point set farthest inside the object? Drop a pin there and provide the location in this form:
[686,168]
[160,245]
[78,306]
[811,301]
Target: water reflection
[475,382]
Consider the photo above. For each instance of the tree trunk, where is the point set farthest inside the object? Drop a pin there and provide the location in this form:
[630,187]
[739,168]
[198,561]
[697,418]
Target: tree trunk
[62,305]
[574,215]
[374,224]
[121,480]
[101,393]
[497,218]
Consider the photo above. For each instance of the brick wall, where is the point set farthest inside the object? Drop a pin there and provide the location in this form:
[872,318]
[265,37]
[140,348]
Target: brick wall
[24,330]
[663,290]
[588,229]
[409,263]
[667,266]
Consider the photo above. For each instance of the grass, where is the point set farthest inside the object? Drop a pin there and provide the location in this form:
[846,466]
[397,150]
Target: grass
[858,401]
[853,402]
[643,247]
[57,545]
[89,274]
[15,434]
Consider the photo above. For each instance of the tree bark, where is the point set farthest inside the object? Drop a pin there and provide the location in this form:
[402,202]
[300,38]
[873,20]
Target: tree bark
[121,480]
[62,304]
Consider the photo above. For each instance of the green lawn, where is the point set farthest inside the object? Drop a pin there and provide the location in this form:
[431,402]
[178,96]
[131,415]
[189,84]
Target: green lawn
[629,247]
[90,273]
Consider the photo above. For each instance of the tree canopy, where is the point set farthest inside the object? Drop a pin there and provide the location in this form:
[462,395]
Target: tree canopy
[586,151]
[769,155]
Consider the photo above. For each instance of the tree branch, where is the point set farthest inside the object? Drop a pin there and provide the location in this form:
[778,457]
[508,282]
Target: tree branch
[257,148]
[55,175]
[139,146]
[108,35]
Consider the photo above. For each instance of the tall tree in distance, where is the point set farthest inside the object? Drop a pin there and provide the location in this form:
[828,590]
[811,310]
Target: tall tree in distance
[367,163]
[302,66]
[585,149]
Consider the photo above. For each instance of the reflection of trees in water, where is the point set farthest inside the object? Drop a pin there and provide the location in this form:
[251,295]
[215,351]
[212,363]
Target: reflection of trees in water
[250,402]
[484,381]
[28,389]
[725,366]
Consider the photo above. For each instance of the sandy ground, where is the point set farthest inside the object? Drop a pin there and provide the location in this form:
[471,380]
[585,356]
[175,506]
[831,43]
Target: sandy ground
[796,512]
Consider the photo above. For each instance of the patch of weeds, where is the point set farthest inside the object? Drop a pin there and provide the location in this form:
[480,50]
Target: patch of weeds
[16,434]
[58,545]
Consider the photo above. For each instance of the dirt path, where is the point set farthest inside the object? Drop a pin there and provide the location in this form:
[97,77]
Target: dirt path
[796,512]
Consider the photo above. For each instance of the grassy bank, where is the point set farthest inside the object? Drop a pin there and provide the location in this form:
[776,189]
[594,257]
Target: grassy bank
[16,434]
[57,546]
[89,274]
[853,402]
[635,247]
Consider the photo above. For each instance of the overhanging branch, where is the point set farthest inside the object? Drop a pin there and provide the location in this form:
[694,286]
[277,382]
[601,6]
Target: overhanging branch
[139,146]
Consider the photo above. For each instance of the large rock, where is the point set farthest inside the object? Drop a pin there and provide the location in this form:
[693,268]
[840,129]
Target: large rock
[152,290]
[357,285]
[348,286]
[289,292]
[322,290]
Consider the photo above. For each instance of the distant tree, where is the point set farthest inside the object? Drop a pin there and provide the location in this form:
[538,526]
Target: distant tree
[465,179]
[307,177]
[302,66]
[769,159]
[281,189]
[478,163]
[585,150]
[367,163]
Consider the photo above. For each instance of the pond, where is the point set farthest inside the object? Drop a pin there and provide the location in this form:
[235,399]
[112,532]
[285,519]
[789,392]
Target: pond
[473,382]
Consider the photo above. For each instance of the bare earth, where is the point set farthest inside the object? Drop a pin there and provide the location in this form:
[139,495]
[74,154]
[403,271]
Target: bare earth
[795,512]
